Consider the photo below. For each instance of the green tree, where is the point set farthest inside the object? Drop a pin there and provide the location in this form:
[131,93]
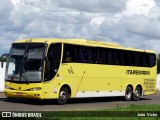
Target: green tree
[3,59]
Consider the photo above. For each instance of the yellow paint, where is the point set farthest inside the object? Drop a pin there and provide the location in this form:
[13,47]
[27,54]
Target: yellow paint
[85,77]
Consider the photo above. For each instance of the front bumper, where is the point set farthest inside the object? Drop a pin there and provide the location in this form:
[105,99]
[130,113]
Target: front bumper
[23,94]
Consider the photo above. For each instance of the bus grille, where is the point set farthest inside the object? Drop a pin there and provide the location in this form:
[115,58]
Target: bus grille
[149,85]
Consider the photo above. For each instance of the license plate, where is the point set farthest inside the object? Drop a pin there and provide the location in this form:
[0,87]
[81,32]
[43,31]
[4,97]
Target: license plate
[18,94]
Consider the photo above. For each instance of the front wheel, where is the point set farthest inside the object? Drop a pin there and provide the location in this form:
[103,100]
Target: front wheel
[63,96]
[137,94]
[128,93]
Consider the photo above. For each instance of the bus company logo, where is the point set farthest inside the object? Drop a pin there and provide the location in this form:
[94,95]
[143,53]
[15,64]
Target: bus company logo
[19,88]
[137,72]
[70,70]
[6,114]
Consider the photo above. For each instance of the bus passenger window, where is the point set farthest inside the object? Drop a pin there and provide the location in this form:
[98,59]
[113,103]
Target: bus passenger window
[109,58]
[114,58]
[94,59]
[69,53]
[102,57]
[68,57]
[145,60]
[152,59]
[85,60]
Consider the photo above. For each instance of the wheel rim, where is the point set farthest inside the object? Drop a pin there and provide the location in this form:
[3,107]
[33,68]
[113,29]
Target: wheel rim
[137,93]
[128,94]
[63,95]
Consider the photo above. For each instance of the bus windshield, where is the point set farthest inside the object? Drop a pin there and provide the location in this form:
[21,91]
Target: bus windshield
[25,63]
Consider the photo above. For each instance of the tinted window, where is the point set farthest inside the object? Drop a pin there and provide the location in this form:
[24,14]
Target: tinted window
[97,55]
[53,61]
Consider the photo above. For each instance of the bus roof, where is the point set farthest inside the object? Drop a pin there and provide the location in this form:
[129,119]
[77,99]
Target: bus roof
[73,41]
[79,42]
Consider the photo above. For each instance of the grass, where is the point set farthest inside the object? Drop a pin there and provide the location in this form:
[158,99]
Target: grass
[127,111]
[123,113]
[133,107]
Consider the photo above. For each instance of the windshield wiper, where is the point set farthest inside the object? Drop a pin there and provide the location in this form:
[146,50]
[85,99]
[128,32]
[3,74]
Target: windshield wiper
[13,77]
[23,74]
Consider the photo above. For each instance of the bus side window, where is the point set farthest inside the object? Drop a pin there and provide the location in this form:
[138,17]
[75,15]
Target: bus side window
[124,57]
[127,58]
[72,53]
[141,60]
[85,55]
[67,53]
[76,54]
[67,56]
[101,57]
[152,60]
[131,58]
[115,60]
[81,57]
[94,55]
[137,59]
[145,60]
[109,56]
[119,57]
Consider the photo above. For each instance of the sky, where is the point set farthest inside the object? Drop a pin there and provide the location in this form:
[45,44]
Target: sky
[130,23]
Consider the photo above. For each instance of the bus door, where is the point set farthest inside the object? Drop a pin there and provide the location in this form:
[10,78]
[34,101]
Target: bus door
[52,66]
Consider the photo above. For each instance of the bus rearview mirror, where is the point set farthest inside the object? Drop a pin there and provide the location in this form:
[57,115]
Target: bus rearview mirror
[4,56]
[2,64]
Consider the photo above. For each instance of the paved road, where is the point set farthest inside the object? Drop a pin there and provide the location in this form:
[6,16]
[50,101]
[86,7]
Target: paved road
[74,104]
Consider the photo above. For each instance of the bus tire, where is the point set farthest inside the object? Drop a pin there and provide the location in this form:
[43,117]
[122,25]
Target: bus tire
[137,94]
[128,93]
[63,96]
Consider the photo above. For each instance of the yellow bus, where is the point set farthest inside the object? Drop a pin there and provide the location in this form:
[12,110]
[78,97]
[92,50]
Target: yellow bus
[61,69]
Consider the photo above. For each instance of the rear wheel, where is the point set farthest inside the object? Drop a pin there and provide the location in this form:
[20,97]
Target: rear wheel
[63,96]
[128,93]
[137,94]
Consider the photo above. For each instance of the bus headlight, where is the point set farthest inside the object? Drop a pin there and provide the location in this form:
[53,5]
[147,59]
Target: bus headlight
[7,87]
[35,89]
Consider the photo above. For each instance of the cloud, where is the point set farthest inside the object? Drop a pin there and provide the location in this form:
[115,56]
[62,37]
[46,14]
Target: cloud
[141,24]
[104,20]
[5,8]
[153,14]
[5,12]
[97,21]
[154,44]
[107,6]
[140,7]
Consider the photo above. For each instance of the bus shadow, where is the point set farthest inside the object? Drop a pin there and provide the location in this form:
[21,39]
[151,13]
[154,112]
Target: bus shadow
[71,101]
[95,100]
[26,101]
[103,99]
